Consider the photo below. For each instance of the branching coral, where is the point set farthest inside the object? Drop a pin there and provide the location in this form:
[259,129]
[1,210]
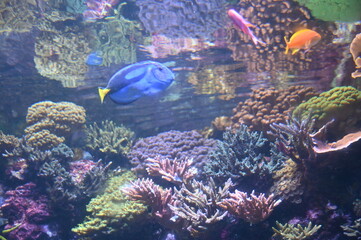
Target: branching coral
[355,49]
[8,143]
[291,232]
[172,145]
[109,138]
[112,210]
[353,230]
[252,208]
[196,204]
[50,123]
[175,171]
[241,154]
[267,106]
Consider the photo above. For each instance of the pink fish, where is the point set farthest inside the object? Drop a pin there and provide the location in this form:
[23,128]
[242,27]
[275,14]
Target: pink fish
[243,24]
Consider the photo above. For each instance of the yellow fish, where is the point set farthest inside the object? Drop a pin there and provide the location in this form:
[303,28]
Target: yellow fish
[302,39]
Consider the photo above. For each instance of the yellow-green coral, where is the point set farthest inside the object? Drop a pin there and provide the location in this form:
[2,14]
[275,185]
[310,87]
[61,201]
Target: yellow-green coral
[17,15]
[340,103]
[292,232]
[117,39]
[50,123]
[111,210]
[109,138]
[60,52]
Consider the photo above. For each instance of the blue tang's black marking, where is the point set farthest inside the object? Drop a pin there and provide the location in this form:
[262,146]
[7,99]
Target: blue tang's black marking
[137,80]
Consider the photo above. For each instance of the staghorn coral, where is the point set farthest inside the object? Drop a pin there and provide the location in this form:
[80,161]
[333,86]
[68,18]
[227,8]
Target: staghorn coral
[291,232]
[172,145]
[112,210]
[196,204]
[61,50]
[267,106]
[218,80]
[339,103]
[352,230]
[355,49]
[175,171]
[252,208]
[159,199]
[51,123]
[274,20]
[182,18]
[8,143]
[18,15]
[109,138]
[241,154]
[288,182]
[117,39]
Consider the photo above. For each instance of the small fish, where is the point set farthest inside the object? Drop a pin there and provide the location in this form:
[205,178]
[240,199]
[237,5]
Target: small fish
[244,25]
[134,81]
[302,39]
[94,59]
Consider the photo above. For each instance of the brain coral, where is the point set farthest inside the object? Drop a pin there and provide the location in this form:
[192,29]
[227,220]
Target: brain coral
[182,18]
[266,106]
[339,103]
[172,145]
[51,123]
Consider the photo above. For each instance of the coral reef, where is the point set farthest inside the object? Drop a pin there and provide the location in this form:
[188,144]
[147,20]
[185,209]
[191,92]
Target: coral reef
[60,52]
[339,103]
[51,123]
[334,10]
[288,183]
[109,138]
[8,143]
[242,154]
[117,39]
[353,230]
[175,171]
[196,204]
[98,9]
[355,49]
[275,20]
[180,18]
[112,210]
[267,106]
[252,208]
[18,15]
[291,232]
[173,145]
[27,209]
[218,80]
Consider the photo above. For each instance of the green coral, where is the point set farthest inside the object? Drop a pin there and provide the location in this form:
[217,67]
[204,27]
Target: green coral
[112,210]
[117,39]
[109,138]
[334,10]
[341,103]
[292,232]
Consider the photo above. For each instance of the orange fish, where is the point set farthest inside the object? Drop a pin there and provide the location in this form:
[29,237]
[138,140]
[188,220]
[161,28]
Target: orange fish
[302,39]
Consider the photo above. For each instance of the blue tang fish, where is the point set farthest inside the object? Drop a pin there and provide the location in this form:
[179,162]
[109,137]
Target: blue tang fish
[94,59]
[134,81]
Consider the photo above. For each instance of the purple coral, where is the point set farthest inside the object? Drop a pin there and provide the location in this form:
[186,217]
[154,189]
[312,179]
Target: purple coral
[98,9]
[172,145]
[26,208]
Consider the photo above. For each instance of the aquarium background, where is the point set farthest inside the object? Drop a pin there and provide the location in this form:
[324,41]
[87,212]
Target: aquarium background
[247,143]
